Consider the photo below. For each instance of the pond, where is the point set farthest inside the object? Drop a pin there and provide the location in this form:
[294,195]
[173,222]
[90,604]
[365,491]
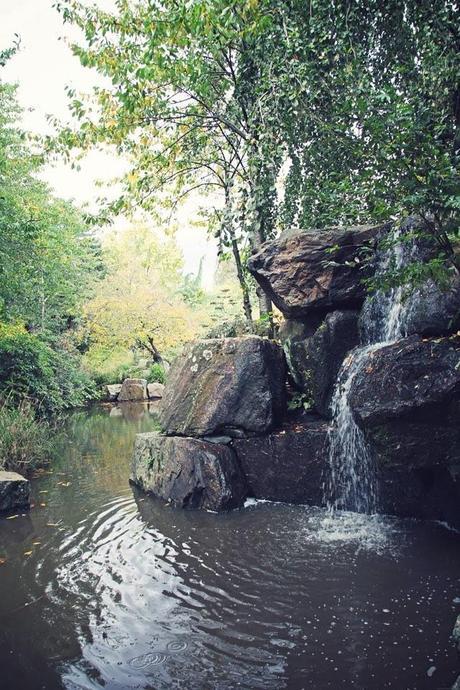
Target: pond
[104,587]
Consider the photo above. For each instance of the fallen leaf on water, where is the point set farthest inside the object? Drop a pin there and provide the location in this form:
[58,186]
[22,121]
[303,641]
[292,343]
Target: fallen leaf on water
[28,553]
[43,505]
[11,517]
[52,524]
[66,483]
[45,491]
[2,561]
[36,543]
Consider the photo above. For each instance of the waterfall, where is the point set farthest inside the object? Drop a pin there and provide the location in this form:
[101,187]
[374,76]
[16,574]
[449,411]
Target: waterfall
[351,483]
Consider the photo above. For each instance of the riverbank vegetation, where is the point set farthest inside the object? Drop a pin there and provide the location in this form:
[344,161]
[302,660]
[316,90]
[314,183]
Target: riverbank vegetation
[271,116]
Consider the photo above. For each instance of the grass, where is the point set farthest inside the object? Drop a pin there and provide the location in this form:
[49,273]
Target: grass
[25,441]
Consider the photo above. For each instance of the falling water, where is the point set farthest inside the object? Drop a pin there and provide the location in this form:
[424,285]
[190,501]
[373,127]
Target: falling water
[351,484]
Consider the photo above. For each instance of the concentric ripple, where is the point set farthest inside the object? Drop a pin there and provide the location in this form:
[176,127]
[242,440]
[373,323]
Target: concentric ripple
[120,591]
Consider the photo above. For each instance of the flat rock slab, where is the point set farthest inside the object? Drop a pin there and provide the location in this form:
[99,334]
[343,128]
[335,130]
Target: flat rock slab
[14,491]
[189,472]
[316,270]
[133,389]
[227,386]
[287,465]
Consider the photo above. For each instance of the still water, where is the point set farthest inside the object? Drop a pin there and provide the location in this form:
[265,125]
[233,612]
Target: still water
[102,587]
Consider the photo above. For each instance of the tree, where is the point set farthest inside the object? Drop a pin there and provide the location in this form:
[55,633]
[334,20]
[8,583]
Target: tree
[358,99]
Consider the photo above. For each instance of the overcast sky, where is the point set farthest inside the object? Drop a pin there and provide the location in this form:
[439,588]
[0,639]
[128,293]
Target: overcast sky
[42,68]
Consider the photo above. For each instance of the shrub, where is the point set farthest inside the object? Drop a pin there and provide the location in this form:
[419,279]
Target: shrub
[157,374]
[25,442]
[49,377]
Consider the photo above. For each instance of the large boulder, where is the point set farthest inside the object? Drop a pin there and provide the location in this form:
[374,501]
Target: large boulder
[133,389]
[155,390]
[406,396]
[314,361]
[230,386]
[14,491]
[287,465]
[315,270]
[189,472]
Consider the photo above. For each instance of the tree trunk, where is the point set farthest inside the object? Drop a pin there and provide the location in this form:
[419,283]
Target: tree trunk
[243,284]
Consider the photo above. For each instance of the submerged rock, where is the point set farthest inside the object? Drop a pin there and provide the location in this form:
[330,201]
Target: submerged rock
[189,472]
[133,389]
[155,390]
[286,465]
[314,361]
[316,270]
[227,386]
[406,397]
[14,491]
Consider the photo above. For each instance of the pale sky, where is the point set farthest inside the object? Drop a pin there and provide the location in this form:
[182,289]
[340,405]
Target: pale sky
[42,68]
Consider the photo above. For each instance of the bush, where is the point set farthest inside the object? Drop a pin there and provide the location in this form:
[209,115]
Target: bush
[25,442]
[49,377]
[157,374]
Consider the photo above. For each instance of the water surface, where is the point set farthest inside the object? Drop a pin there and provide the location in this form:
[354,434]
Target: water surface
[105,588]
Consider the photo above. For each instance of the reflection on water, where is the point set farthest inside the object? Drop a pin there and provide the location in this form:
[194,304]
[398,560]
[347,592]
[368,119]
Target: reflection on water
[120,591]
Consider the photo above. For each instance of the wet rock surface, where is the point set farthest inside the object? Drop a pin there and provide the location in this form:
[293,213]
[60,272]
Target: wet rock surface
[286,465]
[229,386]
[316,270]
[14,491]
[189,472]
[407,399]
[314,361]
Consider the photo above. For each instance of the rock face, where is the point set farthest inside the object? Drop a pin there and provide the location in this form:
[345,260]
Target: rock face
[435,311]
[286,465]
[155,390]
[14,491]
[112,392]
[133,389]
[189,472]
[230,386]
[315,270]
[456,633]
[314,361]
[407,399]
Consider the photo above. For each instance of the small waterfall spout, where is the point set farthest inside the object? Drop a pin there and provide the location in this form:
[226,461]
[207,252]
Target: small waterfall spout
[351,483]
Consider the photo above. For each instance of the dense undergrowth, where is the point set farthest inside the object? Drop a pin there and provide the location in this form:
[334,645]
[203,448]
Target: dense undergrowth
[26,441]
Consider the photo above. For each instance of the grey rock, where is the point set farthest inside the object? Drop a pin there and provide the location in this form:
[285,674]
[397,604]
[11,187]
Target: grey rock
[456,633]
[227,386]
[314,361]
[155,390]
[319,270]
[406,396]
[112,392]
[14,491]
[133,389]
[435,311]
[189,472]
